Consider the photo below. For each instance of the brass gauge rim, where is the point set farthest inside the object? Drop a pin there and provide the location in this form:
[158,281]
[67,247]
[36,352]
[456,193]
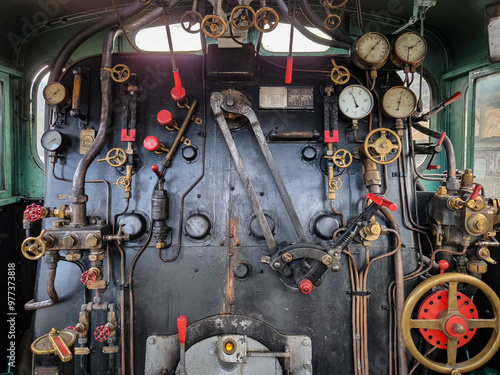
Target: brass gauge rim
[361,62]
[364,89]
[66,98]
[415,100]
[398,60]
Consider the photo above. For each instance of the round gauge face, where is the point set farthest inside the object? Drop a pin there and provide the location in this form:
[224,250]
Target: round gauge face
[399,102]
[355,102]
[411,48]
[373,48]
[55,93]
[52,140]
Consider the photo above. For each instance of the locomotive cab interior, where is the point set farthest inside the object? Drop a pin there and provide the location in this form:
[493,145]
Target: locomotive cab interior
[289,187]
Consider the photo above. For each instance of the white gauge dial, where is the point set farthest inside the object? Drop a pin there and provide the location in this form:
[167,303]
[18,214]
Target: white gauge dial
[373,48]
[399,102]
[410,48]
[355,102]
[55,94]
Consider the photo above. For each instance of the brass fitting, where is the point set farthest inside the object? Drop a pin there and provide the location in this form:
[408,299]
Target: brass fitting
[442,191]
[477,224]
[467,179]
[62,212]
[73,255]
[477,266]
[372,176]
[484,254]
[160,245]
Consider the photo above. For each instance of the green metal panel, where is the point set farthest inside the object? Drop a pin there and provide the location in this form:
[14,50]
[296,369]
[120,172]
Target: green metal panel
[7,149]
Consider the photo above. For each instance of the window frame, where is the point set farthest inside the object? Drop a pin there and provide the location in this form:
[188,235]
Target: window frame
[34,140]
[471,110]
[8,136]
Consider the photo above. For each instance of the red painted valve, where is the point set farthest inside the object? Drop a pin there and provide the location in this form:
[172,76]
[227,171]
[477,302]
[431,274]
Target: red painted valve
[102,333]
[88,278]
[33,212]
[156,170]
[443,265]
[70,328]
[305,286]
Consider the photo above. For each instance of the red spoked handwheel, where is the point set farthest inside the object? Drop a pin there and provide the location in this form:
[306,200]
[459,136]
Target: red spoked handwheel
[102,333]
[33,212]
[88,278]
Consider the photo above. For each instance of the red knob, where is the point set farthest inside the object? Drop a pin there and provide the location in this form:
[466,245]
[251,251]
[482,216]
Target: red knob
[305,286]
[379,201]
[88,278]
[476,191]
[178,93]
[181,326]
[443,265]
[102,333]
[152,143]
[33,212]
[156,170]
[165,118]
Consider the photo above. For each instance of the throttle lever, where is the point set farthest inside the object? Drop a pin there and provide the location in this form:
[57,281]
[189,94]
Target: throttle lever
[434,111]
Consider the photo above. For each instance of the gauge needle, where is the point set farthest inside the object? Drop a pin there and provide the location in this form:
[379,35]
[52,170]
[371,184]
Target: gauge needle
[399,102]
[353,98]
[376,44]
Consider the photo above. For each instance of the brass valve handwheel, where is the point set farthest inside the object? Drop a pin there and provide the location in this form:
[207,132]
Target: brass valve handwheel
[335,183]
[242,17]
[119,73]
[340,156]
[189,20]
[443,324]
[266,17]
[36,250]
[211,25]
[115,157]
[339,74]
[332,22]
[378,150]
[334,4]
[123,182]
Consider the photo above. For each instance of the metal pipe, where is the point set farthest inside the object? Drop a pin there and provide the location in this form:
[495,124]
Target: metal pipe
[299,135]
[173,148]
[51,291]
[79,199]
[309,35]
[144,21]
[81,36]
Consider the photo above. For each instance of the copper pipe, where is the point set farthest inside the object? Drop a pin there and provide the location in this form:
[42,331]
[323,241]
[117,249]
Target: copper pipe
[122,307]
[51,291]
[414,368]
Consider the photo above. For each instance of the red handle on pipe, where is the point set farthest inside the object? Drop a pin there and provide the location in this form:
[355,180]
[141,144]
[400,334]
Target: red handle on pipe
[379,201]
[441,138]
[289,69]
[181,326]
[177,80]
[178,92]
[443,265]
[475,193]
[453,98]
[156,170]
[152,143]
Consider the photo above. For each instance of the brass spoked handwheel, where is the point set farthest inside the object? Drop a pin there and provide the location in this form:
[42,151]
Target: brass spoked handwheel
[242,17]
[342,158]
[334,4]
[123,182]
[332,22]
[213,26]
[266,19]
[452,323]
[33,248]
[191,22]
[115,157]
[339,74]
[378,150]
[119,73]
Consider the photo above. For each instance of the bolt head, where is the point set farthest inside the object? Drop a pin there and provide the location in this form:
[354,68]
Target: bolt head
[277,264]
[151,340]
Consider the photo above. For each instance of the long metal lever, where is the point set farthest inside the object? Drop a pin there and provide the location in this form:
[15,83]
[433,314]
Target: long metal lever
[215,104]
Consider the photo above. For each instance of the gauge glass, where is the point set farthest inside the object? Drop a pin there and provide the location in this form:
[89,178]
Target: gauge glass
[55,93]
[399,102]
[411,48]
[355,102]
[52,140]
[374,48]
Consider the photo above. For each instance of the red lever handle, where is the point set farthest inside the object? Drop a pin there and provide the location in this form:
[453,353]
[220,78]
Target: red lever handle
[289,69]
[181,326]
[379,201]
[156,170]
[443,265]
[453,98]
[476,191]
[178,92]
[152,143]
[441,138]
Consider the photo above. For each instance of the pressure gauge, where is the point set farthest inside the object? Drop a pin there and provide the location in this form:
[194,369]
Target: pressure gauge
[52,140]
[399,102]
[56,94]
[371,51]
[355,102]
[409,49]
